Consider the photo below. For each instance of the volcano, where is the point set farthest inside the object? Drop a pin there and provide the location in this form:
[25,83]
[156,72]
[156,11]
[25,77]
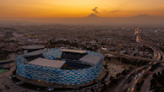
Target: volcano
[92,16]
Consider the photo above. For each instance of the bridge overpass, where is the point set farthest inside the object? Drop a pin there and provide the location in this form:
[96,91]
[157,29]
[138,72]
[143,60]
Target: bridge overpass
[157,52]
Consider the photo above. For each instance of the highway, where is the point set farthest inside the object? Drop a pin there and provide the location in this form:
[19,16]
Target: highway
[120,87]
[158,54]
[133,82]
[151,45]
[146,84]
[134,57]
[157,57]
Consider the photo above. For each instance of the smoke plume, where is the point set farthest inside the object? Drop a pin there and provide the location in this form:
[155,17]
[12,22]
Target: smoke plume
[95,9]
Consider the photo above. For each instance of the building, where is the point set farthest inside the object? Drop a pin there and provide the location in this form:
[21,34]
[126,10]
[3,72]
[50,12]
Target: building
[30,48]
[9,34]
[38,66]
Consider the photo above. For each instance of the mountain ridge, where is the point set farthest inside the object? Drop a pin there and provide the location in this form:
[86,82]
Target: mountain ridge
[92,15]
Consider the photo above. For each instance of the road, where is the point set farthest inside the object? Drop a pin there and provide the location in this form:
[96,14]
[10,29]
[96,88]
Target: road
[133,82]
[157,54]
[120,87]
[146,84]
[157,57]
[135,57]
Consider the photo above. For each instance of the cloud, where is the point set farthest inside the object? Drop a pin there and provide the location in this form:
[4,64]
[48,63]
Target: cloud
[162,6]
[95,9]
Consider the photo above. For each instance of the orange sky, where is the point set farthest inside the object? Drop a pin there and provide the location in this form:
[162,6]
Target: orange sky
[80,8]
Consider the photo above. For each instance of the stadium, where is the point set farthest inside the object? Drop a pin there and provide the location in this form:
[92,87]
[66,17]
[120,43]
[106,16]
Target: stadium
[60,66]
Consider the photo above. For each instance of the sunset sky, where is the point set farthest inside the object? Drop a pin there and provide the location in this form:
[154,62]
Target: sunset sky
[80,8]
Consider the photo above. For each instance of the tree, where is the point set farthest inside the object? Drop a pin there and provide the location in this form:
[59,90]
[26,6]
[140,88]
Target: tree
[117,75]
[123,72]
[153,83]
[130,68]
[162,71]
[105,66]
[154,76]
[111,78]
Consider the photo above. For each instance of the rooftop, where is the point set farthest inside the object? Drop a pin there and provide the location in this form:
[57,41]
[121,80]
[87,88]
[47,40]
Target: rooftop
[47,62]
[92,60]
[34,53]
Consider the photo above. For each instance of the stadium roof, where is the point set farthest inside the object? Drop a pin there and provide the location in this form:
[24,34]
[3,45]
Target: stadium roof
[33,47]
[73,51]
[34,53]
[92,60]
[47,62]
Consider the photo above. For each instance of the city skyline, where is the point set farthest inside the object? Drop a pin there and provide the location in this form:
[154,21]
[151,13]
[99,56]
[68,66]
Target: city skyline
[74,8]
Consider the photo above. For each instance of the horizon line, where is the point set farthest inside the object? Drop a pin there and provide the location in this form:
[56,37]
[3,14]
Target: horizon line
[83,17]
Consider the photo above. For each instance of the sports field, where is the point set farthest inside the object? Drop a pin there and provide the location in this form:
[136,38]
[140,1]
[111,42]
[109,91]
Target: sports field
[3,70]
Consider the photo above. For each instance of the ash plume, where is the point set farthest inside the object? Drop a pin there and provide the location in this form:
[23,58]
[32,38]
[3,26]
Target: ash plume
[95,9]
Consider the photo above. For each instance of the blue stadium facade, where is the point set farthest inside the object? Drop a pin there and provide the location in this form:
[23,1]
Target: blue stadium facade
[59,76]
